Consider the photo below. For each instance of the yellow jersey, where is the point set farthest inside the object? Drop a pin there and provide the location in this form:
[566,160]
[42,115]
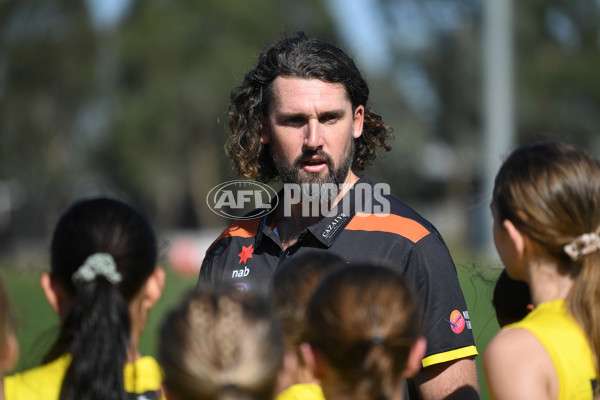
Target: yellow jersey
[567,345]
[302,391]
[142,378]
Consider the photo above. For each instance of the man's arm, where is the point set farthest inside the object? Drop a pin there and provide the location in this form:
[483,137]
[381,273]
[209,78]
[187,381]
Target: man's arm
[455,379]
[450,370]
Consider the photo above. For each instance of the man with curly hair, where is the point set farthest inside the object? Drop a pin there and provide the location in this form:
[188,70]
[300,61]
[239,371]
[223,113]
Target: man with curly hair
[301,115]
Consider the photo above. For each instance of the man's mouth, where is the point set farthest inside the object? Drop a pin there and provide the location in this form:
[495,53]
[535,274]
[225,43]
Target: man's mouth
[314,164]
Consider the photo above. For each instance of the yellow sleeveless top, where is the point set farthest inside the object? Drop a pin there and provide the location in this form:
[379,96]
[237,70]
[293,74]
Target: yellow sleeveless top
[565,342]
[302,391]
[142,378]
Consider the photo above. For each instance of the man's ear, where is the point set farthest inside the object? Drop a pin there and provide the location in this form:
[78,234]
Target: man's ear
[153,288]
[53,292]
[516,237]
[358,121]
[415,355]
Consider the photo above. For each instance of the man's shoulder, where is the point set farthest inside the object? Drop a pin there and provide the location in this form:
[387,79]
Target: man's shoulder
[390,204]
[235,241]
[243,228]
[391,215]
[390,224]
[247,227]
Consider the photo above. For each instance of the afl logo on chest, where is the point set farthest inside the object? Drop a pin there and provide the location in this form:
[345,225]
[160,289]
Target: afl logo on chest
[231,199]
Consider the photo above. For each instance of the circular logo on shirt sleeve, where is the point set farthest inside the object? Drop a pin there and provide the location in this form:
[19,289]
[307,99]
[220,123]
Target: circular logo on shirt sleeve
[457,322]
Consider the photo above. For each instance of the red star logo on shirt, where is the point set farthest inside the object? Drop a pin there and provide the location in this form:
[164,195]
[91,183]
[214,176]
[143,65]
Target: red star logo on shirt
[246,254]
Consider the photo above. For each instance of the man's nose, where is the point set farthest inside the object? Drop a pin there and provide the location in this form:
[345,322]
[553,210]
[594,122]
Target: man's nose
[314,136]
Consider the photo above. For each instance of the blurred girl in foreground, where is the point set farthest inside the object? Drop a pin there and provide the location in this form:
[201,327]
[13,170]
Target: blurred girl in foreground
[292,285]
[364,328]
[546,210]
[221,344]
[103,281]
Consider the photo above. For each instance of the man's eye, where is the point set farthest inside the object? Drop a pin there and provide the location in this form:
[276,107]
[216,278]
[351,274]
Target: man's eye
[329,119]
[296,121]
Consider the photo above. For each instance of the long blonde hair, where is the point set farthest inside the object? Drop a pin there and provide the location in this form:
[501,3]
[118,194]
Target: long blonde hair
[221,344]
[364,318]
[551,192]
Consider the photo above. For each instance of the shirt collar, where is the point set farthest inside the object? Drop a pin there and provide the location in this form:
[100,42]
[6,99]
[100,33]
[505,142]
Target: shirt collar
[267,225]
[328,228]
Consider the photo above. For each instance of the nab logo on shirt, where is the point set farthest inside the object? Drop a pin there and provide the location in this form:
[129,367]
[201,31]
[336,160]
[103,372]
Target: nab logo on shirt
[239,273]
[245,254]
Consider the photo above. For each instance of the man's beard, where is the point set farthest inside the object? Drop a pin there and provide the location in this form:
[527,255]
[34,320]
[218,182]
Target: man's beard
[316,187]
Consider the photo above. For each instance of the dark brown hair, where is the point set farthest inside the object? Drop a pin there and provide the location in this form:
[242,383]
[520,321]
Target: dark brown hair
[96,330]
[291,287]
[364,318]
[551,192]
[306,58]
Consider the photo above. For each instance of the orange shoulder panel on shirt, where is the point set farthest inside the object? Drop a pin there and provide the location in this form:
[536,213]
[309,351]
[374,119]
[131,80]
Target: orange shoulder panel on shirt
[244,228]
[390,223]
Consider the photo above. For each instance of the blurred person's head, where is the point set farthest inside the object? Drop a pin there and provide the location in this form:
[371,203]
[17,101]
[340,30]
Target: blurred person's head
[511,299]
[102,282]
[365,329]
[291,288]
[221,344]
[547,197]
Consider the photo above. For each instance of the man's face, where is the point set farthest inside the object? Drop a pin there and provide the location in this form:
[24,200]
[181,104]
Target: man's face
[311,129]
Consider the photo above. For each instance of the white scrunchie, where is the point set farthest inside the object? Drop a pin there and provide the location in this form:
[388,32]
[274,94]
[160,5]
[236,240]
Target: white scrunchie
[98,264]
[583,245]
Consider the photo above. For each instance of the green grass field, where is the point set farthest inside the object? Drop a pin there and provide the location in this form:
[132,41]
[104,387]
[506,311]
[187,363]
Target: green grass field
[37,324]
[478,286]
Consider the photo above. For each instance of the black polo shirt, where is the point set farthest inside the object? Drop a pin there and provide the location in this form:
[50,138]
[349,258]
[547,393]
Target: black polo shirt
[247,253]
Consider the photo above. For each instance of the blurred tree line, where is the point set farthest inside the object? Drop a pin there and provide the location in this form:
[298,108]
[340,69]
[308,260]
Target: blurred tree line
[137,108]
[439,44]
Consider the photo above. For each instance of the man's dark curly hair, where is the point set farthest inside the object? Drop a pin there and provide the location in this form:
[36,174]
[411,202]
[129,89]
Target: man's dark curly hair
[306,58]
